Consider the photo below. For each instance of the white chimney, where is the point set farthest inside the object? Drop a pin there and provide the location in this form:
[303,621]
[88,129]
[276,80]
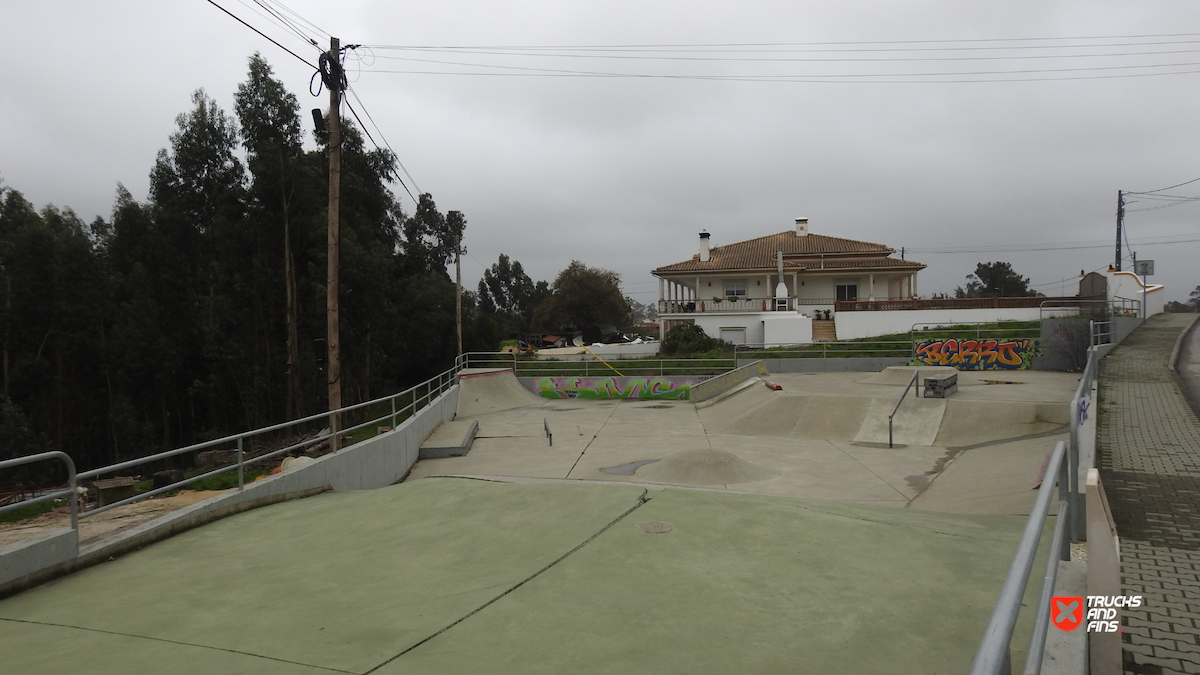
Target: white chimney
[704,245]
[781,291]
[802,227]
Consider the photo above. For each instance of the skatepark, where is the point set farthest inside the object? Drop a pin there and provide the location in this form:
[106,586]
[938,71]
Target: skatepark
[763,531]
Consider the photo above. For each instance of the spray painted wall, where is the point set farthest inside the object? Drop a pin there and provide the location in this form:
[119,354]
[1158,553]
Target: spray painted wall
[640,388]
[977,354]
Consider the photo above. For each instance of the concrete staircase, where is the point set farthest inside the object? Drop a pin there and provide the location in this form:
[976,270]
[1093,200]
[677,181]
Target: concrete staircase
[824,331]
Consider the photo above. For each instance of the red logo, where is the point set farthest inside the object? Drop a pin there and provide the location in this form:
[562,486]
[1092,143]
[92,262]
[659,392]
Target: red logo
[1066,611]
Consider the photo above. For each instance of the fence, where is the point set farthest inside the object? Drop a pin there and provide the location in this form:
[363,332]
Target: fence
[69,491]
[993,656]
[393,409]
[526,367]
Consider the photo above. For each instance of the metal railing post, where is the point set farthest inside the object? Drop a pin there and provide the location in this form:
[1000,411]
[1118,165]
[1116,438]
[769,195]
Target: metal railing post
[241,463]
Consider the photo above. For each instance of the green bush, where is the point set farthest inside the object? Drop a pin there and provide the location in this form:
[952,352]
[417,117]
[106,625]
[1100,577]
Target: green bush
[687,339]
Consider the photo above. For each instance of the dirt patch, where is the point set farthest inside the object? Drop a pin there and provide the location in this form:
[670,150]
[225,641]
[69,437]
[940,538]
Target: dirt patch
[105,524]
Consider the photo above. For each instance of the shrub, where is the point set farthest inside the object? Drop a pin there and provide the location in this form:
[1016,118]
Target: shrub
[687,339]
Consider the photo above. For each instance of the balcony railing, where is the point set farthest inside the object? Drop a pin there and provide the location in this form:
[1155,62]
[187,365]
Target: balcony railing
[951,303]
[740,305]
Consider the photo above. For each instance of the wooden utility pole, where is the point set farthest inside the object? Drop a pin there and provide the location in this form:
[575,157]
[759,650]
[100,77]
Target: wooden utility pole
[1120,218]
[335,197]
[458,290]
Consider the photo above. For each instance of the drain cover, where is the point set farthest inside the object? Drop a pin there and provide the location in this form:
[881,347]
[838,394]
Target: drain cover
[655,527]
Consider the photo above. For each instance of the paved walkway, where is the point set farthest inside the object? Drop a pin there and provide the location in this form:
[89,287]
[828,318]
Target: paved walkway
[1149,442]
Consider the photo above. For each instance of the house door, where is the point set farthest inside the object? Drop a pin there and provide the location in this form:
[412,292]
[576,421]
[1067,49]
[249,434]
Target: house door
[735,336]
[847,291]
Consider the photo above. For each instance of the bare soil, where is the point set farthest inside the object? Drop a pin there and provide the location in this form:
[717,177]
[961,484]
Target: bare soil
[105,524]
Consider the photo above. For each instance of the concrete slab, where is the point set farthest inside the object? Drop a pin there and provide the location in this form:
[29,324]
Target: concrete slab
[450,439]
[448,575]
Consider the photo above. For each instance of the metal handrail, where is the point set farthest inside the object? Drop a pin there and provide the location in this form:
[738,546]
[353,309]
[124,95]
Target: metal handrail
[832,349]
[1079,409]
[420,395]
[993,656]
[916,374]
[69,491]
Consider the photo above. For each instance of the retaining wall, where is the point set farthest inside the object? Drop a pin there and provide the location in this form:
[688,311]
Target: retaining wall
[644,388]
[726,381]
[854,325]
[374,463]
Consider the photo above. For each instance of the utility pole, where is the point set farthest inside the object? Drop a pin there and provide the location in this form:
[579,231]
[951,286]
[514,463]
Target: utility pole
[458,291]
[1120,217]
[333,332]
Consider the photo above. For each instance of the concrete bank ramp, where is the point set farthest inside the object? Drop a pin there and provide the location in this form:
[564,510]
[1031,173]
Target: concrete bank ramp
[954,422]
[972,422]
[917,422]
[489,390]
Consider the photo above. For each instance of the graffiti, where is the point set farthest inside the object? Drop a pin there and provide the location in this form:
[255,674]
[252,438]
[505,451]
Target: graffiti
[977,354]
[640,388]
[1084,404]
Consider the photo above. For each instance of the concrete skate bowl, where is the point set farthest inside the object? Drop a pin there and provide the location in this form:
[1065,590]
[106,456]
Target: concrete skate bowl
[489,390]
[759,411]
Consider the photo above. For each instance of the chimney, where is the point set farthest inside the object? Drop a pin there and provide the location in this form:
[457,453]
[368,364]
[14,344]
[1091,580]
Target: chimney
[802,227]
[704,245]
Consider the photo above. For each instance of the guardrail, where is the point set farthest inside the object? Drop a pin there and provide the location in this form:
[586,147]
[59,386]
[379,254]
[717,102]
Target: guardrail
[1101,332]
[824,350]
[1081,403]
[399,406]
[69,491]
[911,381]
[994,656]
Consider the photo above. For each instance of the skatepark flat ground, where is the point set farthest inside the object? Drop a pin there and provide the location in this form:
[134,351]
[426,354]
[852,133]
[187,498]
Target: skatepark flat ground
[823,437]
[457,576]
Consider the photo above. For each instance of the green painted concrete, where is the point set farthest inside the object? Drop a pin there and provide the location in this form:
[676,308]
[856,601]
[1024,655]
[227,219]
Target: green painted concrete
[350,582]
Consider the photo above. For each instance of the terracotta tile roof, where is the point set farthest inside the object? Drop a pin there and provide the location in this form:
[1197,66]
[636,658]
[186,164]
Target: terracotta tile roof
[799,253]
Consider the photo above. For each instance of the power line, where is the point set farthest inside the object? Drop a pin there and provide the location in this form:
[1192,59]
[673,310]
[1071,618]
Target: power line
[268,37]
[385,142]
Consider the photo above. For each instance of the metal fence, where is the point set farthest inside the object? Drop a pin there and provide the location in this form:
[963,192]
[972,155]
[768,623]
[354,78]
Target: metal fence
[842,349]
[663,367]
[994,656]
[69,491]
[246,447]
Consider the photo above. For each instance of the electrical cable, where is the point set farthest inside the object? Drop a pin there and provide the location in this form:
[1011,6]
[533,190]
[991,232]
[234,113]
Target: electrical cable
[272,40]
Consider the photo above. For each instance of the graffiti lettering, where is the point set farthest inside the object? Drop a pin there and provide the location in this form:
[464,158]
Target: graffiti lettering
[639,388]
[977,354]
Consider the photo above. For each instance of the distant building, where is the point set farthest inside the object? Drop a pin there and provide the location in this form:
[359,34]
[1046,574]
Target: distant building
[769,289]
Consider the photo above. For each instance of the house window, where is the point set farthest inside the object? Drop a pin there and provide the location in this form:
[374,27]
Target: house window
[735,288]
[847,291]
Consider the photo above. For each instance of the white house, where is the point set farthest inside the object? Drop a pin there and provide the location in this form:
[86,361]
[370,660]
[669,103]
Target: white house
[769,289]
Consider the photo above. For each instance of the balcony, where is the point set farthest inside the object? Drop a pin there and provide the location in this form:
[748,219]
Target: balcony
[740,306]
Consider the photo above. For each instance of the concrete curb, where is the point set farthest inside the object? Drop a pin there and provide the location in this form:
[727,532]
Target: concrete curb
[1179,343]
[726,394]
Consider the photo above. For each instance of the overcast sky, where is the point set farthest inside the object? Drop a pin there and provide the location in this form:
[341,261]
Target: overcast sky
[964,132]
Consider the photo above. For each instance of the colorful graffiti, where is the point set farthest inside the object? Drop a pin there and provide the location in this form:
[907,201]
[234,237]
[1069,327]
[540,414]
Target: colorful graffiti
[641,388]
[977,354]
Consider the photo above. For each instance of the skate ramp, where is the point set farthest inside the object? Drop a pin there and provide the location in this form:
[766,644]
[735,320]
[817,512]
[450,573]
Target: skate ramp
[489,390]
[917,422]
[837,418]
[754,411]
[704,467]
[972,422]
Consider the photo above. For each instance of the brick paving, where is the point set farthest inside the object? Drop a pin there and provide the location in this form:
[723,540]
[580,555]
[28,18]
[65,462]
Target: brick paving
[1149,458]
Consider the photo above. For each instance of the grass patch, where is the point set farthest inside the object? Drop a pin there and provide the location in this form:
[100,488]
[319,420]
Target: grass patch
[228,480]
[30,511]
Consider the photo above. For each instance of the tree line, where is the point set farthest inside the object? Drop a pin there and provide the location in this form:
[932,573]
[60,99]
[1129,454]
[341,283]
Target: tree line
[200,311]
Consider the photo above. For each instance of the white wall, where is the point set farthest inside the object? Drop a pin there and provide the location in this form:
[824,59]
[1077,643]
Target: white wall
[713,323]
[1129,285]
[853,325]
[787,328]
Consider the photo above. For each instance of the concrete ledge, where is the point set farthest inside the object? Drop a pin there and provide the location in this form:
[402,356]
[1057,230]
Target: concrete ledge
[724,382]
[1066,653]
[25,557]
[451,439]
